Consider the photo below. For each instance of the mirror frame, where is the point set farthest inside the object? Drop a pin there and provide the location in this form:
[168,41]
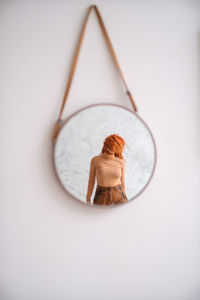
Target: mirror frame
[155,154]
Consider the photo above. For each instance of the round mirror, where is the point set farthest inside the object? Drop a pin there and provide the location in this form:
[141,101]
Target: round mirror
[82,137]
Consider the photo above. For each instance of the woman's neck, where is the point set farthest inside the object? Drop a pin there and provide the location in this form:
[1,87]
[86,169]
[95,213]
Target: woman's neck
[109,154]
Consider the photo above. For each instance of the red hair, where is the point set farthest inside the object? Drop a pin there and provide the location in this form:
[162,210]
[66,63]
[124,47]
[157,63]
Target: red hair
[114,144]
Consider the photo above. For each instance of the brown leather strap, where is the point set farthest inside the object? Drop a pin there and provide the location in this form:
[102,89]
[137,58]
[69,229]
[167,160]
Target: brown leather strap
[74,62]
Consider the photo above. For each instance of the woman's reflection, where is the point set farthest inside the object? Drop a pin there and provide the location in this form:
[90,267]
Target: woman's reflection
[109,169]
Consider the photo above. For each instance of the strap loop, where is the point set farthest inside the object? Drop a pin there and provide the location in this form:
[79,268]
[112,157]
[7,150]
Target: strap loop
[58,123]
[56,129]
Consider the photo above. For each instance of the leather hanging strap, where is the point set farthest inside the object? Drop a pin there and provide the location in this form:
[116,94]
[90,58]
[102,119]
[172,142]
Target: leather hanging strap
[74,62]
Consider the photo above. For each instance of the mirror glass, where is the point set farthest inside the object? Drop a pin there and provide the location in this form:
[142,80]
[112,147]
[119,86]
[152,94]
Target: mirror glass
[82,137]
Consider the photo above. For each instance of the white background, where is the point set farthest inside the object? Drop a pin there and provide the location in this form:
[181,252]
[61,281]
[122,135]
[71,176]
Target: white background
[52,246]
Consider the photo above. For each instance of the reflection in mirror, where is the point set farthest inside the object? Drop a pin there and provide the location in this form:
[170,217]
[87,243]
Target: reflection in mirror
[109,169]
[104,154]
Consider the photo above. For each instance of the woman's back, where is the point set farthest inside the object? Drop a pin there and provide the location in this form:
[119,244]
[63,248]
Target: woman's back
[108,170]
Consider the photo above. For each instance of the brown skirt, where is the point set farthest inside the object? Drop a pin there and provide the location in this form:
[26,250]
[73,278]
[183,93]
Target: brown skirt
[109,195]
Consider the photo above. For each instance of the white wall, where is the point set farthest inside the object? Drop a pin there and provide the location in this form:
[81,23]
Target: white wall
[52,246]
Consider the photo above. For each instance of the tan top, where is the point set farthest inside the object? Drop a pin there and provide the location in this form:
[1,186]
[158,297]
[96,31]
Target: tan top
[108,170]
